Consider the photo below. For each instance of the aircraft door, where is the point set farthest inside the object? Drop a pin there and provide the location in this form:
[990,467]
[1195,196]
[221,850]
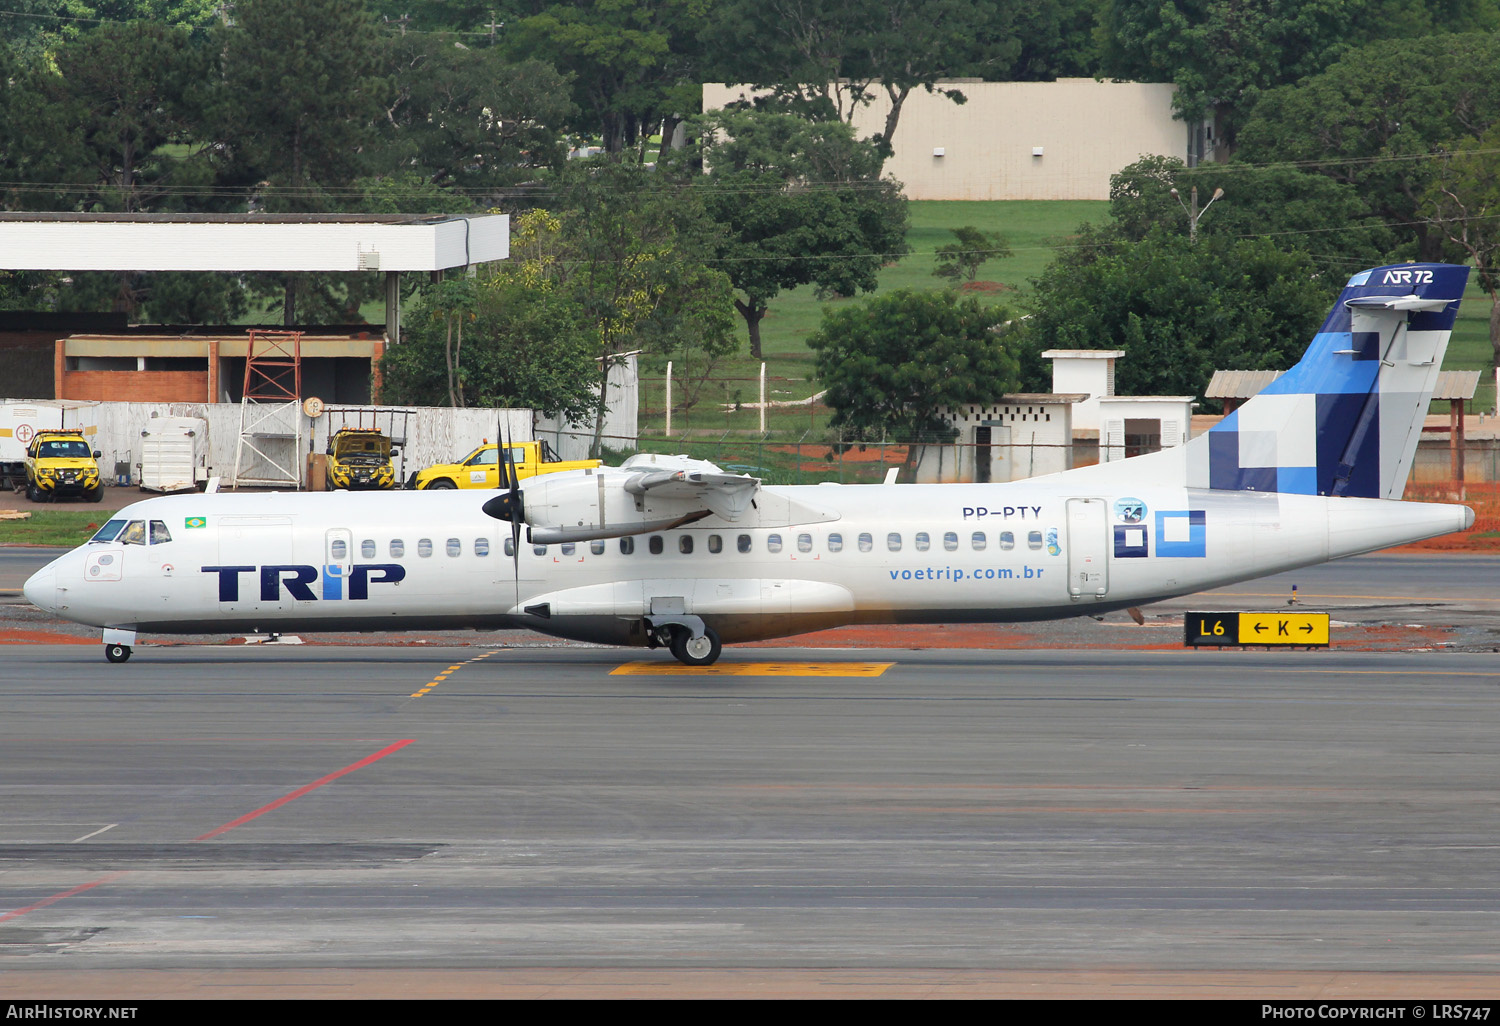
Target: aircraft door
[338,557]
[246,544]
[1088,548]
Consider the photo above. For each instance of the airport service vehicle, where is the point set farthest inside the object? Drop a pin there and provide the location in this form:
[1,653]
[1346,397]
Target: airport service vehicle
[360,459]
[482,467]
[60,465]
[667,551]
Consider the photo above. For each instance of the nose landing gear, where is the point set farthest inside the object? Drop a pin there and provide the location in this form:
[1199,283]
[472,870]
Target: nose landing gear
[117,653]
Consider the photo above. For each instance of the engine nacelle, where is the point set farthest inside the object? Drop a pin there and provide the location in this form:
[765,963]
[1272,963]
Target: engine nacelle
[591,504]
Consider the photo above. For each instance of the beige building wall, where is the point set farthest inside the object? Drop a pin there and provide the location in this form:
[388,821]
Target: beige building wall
[1085,130]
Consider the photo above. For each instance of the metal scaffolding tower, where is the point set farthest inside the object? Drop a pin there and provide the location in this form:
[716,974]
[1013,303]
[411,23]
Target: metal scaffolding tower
[270,445]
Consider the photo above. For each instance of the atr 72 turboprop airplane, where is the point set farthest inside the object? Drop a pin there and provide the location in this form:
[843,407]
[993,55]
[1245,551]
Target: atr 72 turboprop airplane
[670,551]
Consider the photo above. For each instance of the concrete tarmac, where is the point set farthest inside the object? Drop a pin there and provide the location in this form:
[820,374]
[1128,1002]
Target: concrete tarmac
[368,821]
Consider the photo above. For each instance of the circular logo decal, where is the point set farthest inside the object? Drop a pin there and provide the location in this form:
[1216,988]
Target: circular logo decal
[1130,511]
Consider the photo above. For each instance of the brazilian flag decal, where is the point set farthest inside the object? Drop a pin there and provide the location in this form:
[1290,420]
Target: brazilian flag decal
[192,522]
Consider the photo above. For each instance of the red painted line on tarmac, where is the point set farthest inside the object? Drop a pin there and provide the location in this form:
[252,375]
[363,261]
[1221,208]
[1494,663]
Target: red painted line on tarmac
[278,803]
[330,778]
[110,878]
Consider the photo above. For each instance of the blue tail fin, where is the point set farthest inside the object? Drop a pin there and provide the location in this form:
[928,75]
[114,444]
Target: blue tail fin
[1345,420]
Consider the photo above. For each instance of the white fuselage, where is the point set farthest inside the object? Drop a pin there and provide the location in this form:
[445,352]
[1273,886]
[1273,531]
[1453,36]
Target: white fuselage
[804,558]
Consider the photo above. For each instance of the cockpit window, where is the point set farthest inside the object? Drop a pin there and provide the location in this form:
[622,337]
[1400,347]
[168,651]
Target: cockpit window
[108,531]
[159,533]
[134,533]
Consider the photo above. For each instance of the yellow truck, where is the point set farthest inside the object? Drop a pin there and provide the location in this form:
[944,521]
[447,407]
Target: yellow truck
[360,458]
[59,464]
[481,468]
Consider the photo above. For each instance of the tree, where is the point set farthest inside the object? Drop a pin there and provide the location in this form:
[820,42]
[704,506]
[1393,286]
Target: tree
[1295,209]
[972,250]
[827,58]
[1463,203]
[1372,118]
[302,90]
[468,118]
[800,202]
[522,347]
[630,250]
[299,93]
[1223,55]
[891,363]
[635,64]
[1178,310]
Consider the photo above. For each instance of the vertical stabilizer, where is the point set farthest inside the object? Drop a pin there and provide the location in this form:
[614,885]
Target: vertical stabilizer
[1345,420]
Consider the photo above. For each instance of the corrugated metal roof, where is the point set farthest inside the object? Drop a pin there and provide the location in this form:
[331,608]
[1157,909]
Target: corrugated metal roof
[1241,384]
[1238,384]
[1456,385]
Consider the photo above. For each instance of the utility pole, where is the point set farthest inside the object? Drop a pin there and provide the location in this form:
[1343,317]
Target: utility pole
[1193,213]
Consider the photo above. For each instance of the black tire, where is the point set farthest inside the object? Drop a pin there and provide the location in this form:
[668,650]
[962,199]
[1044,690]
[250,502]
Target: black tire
[95,495]
[117,653]
[703,651]
[442,484]
[32,493]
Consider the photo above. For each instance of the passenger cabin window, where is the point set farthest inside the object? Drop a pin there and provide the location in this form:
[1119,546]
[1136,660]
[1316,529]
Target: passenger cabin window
[510,548]
[715,543]
[627,546]
[568,548]
[397,548]
[424,547]
[454,547]
[1034,540]
[597,547]
[804,543]
[978,541]
[1007,540]
[893,541]
[134,533]
[540,550]
[866,543]
[744,544]
[481,546]
[685,544]
[108,531]
[835,543]
[337,549]
[367,548]
[773,543]
[950,541]
[655,545]
[921,541]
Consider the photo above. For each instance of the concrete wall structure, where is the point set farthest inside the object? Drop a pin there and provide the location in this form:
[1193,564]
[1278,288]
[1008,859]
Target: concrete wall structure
[1128,419]
[1022,435]
[1017,140]
[1090,371]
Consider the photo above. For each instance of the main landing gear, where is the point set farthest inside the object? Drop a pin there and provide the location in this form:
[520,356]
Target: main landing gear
[691,651]
[693,642]
[117,653]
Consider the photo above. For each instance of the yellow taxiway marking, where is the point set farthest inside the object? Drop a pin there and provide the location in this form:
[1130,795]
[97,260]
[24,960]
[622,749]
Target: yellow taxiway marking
[439,678]
[665,669]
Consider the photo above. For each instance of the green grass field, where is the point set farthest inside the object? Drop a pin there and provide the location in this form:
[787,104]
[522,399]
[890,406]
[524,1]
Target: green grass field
[53,527]
[1033,228]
